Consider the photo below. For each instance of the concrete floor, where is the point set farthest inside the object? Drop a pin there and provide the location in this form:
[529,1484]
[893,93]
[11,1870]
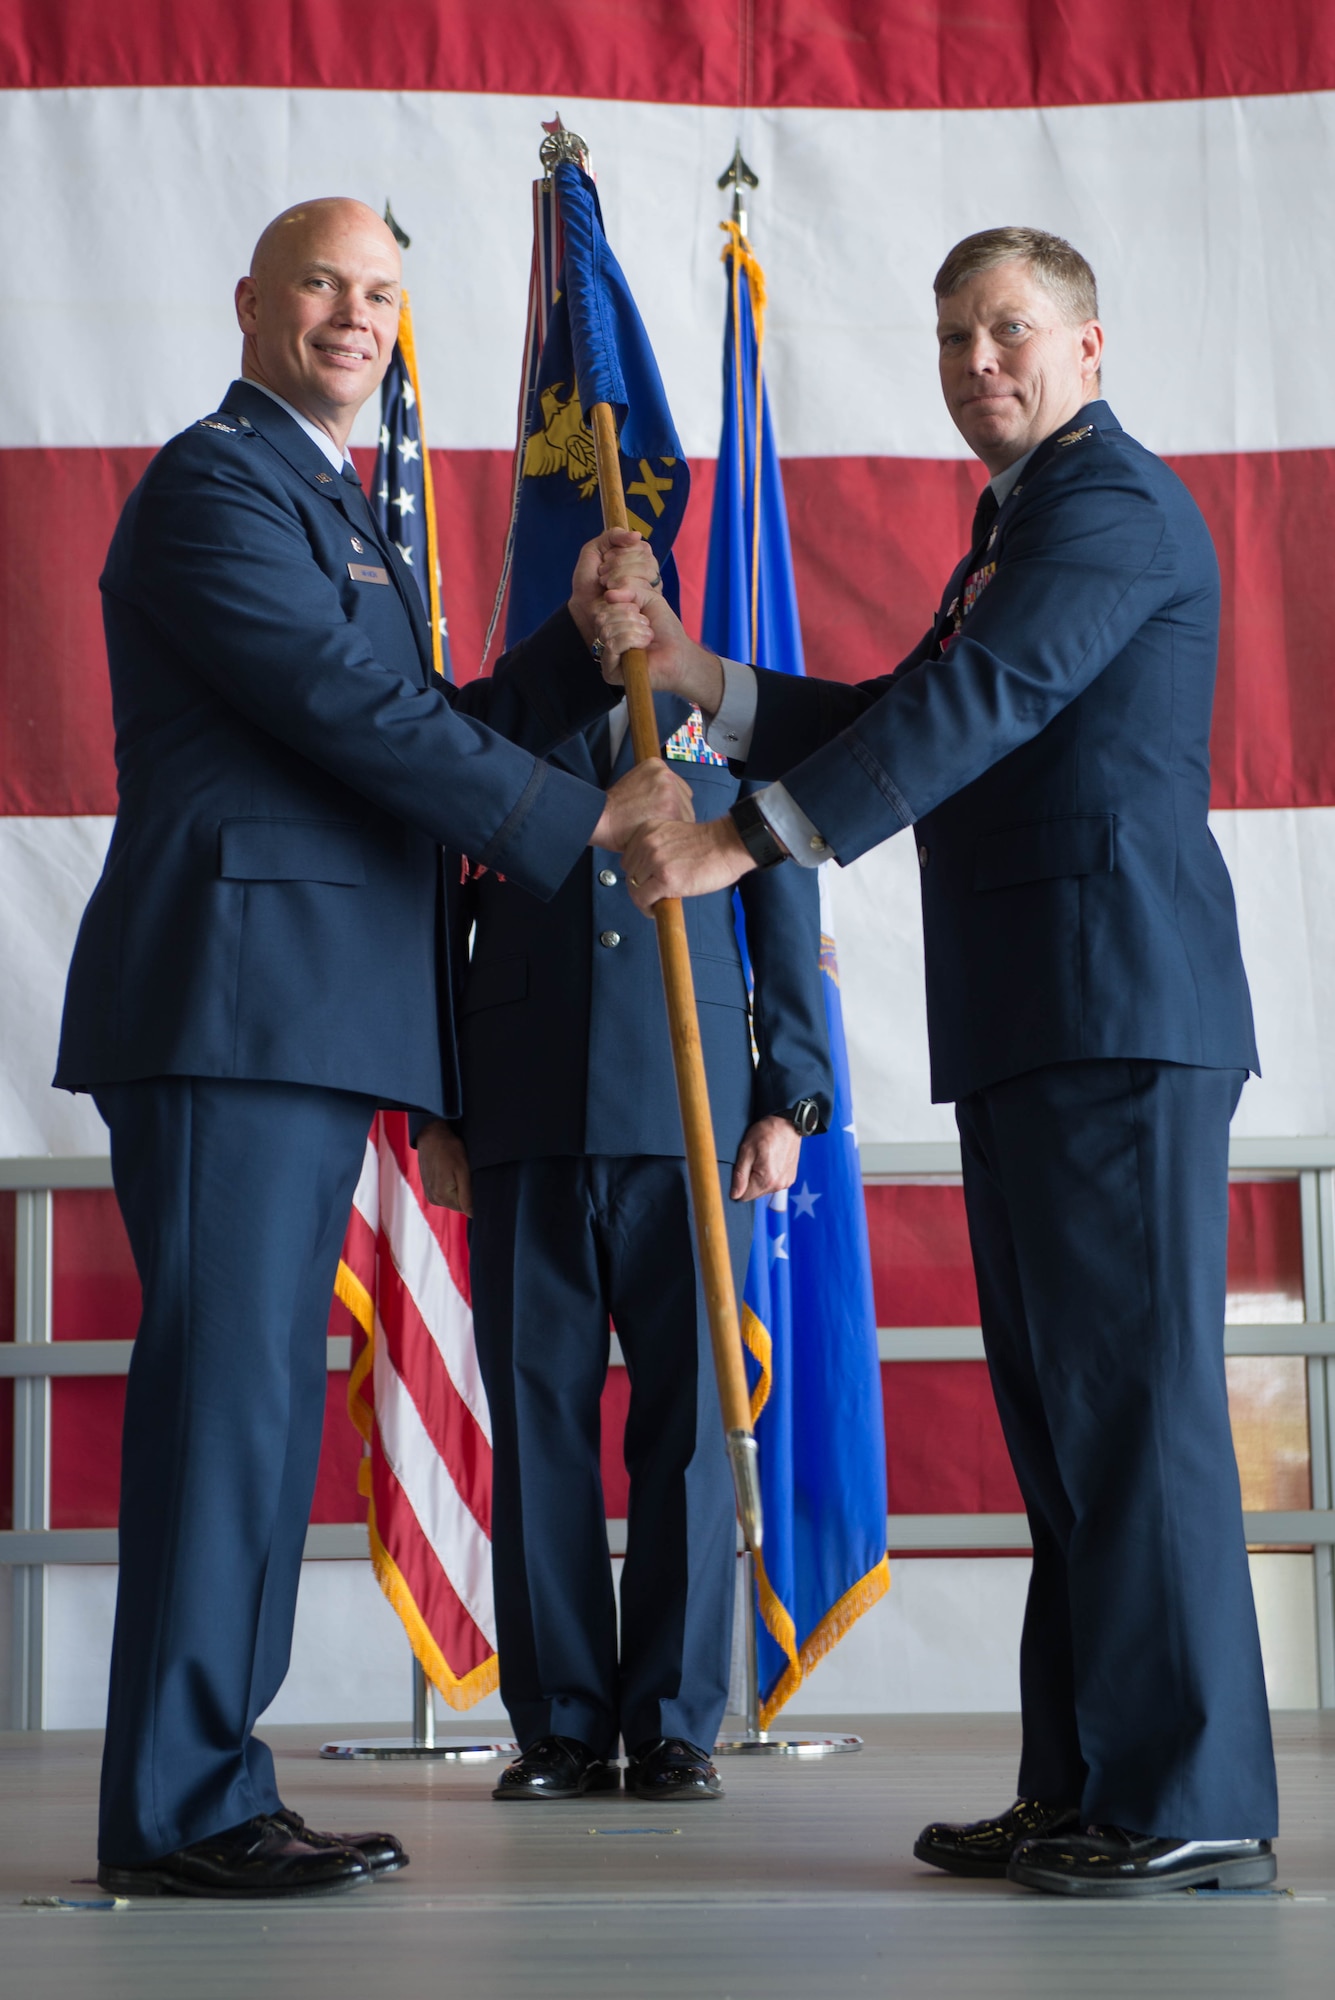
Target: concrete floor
[801,1883]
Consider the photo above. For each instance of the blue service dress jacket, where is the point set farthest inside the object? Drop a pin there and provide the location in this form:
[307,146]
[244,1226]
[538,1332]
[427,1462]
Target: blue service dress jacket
[289,768]
[1048,740]
[563,1032]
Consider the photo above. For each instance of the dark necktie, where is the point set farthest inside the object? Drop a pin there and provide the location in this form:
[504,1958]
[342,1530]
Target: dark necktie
[984,514]
[950,617]
[361,506]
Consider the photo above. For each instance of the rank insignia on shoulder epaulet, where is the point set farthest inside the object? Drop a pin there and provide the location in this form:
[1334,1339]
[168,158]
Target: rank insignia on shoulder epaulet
[1074,437]
[212,424]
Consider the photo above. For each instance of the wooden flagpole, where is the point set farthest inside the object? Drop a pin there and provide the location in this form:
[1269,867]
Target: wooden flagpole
[688,1061]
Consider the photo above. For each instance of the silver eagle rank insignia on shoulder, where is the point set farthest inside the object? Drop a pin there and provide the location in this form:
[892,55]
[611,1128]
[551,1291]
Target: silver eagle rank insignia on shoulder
[1074,437]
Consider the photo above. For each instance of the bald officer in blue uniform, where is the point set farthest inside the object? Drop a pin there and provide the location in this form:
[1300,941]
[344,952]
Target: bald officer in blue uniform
[581,1211]
[1048,741]
[262,964]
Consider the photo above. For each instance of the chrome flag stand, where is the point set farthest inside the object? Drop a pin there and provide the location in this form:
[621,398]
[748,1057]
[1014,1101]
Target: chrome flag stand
[758,1742]
[424,1742]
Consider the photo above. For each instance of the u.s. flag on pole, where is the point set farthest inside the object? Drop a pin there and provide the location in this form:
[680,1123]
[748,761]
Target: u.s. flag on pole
[416,1396]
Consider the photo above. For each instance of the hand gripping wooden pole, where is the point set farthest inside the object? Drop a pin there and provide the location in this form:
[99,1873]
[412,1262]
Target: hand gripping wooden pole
[688,1060]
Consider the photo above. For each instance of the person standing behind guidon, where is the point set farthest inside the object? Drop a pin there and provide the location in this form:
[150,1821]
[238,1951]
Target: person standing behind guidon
[260,966]
[1088,1011]
[581,1211]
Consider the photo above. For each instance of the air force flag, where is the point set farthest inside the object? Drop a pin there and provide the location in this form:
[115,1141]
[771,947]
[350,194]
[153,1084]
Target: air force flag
[807,1315]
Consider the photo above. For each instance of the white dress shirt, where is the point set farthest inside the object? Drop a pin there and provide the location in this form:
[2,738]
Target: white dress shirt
[338,459]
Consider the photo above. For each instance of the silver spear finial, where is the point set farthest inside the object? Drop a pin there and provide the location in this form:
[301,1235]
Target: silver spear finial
[737,175]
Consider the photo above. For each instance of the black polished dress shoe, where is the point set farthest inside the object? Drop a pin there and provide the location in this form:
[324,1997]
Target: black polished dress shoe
[1110,1861]
[557,1767]
[258,1858]
[671,1769]
[382,1850]
[985,1846]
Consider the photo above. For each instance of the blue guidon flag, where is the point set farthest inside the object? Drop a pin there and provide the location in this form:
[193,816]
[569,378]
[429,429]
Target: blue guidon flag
[402,497]
[586,344]
[808,1319]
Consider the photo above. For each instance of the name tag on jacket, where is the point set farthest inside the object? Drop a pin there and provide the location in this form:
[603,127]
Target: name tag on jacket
[368,573]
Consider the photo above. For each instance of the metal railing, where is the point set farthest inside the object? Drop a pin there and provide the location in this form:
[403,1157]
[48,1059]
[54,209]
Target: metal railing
[34,1359]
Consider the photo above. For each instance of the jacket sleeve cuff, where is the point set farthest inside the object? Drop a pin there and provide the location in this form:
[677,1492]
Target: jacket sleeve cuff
[806,845]
[846,792]
[546,830]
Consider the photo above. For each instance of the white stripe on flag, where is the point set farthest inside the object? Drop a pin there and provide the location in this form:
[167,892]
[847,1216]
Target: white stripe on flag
[423,1478]
[1198,216]
[421,1264]
[366,1196]
[47,869]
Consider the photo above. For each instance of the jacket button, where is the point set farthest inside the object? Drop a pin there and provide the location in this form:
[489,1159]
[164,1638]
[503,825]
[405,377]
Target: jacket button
[608,877]
[923,856]
[610,939]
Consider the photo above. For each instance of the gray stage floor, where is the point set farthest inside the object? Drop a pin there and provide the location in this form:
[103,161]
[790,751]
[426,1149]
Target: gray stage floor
[801,1883]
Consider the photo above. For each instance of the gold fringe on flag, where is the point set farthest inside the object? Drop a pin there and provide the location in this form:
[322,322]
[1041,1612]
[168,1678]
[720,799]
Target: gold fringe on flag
[860,1597]
[459,1693]
[484,1679]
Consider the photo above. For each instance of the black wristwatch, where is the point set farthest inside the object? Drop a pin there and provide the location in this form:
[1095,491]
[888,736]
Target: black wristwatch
[757,838]
[805,1116]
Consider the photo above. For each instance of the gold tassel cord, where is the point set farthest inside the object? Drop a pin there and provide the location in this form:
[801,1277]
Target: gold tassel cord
[758,1344]
[739,256]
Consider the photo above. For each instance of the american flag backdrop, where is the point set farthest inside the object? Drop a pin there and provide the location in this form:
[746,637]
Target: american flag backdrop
[1188,149]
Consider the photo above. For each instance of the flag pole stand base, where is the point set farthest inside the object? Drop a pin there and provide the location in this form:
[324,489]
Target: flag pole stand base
[758,1742]
[403,1749]
[763,1744]
[423,1745]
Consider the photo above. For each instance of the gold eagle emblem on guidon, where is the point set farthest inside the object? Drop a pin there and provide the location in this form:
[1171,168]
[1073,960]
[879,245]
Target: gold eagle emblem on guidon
[562,445]
[565,444]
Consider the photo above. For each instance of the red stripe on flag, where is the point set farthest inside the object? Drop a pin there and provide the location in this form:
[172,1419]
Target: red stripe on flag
[57,513]
[860,54]
[463,1645]
[449,1422]
[873,540]
[359,1247]
[449,1228]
